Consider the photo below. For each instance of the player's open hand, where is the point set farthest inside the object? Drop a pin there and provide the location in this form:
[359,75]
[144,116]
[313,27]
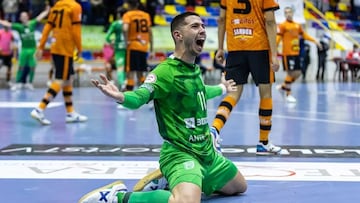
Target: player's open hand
[39,54]
[108,88]
[229,84]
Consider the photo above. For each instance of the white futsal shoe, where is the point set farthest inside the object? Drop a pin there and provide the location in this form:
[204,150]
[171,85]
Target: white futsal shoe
[291,99]
[75,117]
[216,139]
[39,116]
[152,181]
[105,194]
[268,149]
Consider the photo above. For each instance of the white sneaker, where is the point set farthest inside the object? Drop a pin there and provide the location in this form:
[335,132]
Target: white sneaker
[216,139]
[16,86]
[39,116]
[268,149]
[152,181]
[106,194]
[9,84]
[290,98]
[75,117]
[29,86]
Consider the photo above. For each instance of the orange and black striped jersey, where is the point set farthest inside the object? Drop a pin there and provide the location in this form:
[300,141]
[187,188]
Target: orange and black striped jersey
[245,24]
[139,30]
[64,21]
[290,32]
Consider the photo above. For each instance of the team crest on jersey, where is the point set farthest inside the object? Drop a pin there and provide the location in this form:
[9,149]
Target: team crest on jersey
[151,78]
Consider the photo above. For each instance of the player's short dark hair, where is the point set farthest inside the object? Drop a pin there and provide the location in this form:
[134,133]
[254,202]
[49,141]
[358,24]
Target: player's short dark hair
[179,20]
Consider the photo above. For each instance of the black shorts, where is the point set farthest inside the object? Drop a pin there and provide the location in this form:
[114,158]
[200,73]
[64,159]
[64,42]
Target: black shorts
[136,61]
[64,66]
[6,60]
[291,63]
[239,64]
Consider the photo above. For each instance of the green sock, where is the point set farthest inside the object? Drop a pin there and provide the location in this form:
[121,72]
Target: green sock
[121,77]
[158,196]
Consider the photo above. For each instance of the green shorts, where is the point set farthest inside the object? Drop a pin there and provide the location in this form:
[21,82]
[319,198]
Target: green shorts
[27,57]
[178,167]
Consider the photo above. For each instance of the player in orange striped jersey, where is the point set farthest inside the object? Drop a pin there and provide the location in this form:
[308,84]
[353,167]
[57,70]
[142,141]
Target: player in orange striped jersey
[250,30]
[138,35]
[290,33]
[64,21]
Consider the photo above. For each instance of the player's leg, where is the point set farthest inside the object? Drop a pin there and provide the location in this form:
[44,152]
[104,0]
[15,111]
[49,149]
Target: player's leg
[183,172]
[265,147]
[19,73]
[117,192]
[237,69]
[130,69]
[223,177]
[155,179]
[50,75]
[292,67]
[263,77]
[32,66]
[140,66]
[71,115]
[184,175]
[52,91]
[109,68]
[131,61]
[7,61]
[323,66]
[120,56]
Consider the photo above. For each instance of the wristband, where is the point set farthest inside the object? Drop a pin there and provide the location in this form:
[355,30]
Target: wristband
[223,88]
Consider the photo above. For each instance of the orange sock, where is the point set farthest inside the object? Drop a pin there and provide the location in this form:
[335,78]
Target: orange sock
[265,114]
[223,112]
[67,93]
[49,95]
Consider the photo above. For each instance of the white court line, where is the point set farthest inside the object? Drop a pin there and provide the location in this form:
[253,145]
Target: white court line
[301,118]
[13,104]
[95,169]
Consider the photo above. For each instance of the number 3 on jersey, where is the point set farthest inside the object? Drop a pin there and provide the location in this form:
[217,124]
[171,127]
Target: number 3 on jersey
[245,7]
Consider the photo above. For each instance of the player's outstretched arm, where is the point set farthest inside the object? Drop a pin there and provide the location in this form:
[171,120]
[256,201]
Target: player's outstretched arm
[108,88]
[43,14]
[230,85]
[5,23]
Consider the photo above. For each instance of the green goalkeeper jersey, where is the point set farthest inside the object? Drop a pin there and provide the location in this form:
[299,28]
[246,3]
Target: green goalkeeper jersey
[27,33]
[180,101]
[116,28]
